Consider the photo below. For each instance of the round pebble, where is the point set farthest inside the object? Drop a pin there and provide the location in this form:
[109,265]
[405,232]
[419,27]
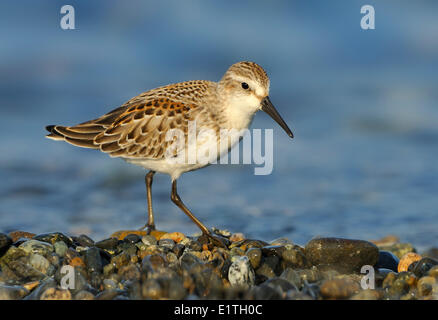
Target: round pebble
[406,261]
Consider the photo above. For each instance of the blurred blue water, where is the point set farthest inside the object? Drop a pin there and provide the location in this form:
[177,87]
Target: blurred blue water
[362,105]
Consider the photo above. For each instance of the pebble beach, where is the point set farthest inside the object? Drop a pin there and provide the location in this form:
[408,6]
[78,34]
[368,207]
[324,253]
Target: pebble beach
[132,265]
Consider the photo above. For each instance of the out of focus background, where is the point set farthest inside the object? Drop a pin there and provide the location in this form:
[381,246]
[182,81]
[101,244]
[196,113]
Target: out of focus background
[362,104]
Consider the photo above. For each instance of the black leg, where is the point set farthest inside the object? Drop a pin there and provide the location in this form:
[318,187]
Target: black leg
[150,225]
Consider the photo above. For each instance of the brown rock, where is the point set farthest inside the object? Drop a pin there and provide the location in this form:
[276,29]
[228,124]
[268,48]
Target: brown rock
[175,236]
[15,235]
[339,288]
[344,255]
[406,261]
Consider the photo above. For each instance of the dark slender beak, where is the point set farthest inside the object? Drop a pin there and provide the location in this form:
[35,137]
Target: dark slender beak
[269,108]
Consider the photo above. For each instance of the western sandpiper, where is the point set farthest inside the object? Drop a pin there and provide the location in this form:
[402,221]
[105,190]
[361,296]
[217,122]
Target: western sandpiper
[136,131]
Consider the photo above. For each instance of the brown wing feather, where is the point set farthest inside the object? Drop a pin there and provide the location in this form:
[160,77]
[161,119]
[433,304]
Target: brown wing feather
[140,131]
[138,128]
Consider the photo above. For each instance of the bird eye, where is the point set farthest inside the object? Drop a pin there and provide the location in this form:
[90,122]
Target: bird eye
[245,85]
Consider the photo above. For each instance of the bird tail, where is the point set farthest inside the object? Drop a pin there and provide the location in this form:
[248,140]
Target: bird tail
[81,135]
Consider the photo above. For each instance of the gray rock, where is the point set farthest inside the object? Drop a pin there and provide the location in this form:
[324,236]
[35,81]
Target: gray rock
[60,248]
[39,263]
[241,272]
[36,246]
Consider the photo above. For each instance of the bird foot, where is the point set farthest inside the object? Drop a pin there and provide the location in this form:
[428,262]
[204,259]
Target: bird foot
[148,228]
[218,240]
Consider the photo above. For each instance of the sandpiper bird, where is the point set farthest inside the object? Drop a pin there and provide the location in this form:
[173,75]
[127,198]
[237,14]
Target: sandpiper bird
[136,131]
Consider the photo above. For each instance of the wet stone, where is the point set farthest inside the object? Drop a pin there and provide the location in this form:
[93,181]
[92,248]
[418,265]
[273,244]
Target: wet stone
[53,237]
[433,272]
[129,248]
[255,256]
[241,272]
[236,252]
[107,244]
[93,260]
[15,235]
[294,257]
[83,241]
[148,240]
[178,249]
[273,250]
[281,242]
[151,289]
[421,268]
[5,243]
[167,243]
[194,245]
[188,261]
[153,263]
[60,248]
[35,246]
[310,275]
[109,284]
[267,268]
[130,272]
[426,285]
[132,238]
[40,263]
[250,243]
[339,288]
[120,260]
[400,285]
[407,260]
[344,255]
[387,260]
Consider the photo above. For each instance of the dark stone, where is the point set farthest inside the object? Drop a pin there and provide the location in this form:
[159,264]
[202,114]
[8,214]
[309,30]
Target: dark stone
[344,255]
[273,250]
[83,241]
[190,261]
[195,245]
[421,268]
[167,243]
[387,260]
[267,268]
[93,260]
[5,243]
[127,247]
[255,256]
[294,258]
[132,238]
[54,237]
[107,244]
[153,263]
[178,249]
